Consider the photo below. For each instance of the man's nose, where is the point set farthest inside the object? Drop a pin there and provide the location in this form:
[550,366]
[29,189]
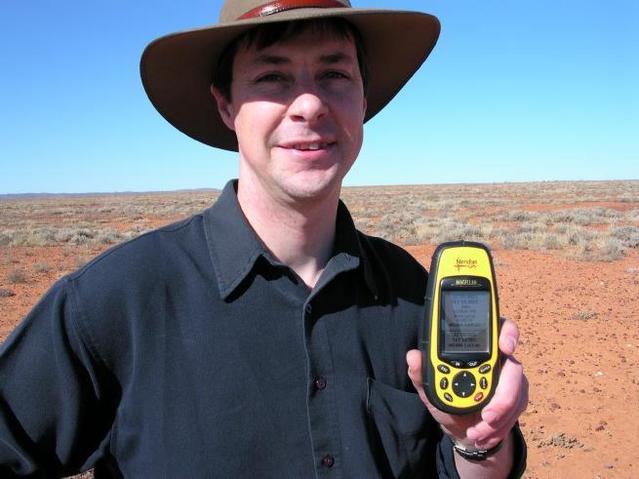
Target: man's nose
[308,102]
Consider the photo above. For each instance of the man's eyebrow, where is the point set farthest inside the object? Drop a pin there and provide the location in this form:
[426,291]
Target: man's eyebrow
[333,58]
[266,59]
[327,59]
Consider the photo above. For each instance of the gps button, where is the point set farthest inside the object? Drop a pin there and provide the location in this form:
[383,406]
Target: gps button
[464,384]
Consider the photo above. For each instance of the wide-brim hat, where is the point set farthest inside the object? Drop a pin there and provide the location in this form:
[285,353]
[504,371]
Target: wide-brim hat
[177,69]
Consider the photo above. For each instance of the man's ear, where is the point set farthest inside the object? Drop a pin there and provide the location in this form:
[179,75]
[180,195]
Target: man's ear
[224,107]
[364,108]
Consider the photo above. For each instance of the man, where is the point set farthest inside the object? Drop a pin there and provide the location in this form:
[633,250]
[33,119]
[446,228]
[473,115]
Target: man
[265,337]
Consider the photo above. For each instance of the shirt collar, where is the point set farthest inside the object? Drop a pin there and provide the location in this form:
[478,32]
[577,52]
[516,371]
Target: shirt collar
[234,246]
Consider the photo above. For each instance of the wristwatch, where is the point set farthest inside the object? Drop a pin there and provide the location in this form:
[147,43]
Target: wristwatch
[476,454]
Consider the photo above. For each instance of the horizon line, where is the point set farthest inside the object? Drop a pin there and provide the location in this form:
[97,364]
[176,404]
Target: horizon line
[208,189]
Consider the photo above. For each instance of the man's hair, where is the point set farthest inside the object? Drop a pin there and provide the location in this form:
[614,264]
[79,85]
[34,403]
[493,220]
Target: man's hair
[266,35]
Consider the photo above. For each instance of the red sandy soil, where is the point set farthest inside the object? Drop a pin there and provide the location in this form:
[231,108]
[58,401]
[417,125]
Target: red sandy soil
[579,325]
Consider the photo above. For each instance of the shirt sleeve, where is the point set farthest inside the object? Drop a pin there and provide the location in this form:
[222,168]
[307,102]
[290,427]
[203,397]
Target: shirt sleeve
[55,416]
[446,460]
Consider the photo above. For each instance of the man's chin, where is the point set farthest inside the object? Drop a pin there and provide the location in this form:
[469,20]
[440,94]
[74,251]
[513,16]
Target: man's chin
[314,188]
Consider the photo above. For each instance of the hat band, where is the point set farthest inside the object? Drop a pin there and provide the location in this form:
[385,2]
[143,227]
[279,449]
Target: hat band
[283,5]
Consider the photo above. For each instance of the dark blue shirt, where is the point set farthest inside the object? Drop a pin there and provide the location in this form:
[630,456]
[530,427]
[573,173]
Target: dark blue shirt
[191,352]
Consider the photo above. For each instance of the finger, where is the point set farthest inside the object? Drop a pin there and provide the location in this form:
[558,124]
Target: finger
[489,436]
[414,362]
[508,337]
[510,399]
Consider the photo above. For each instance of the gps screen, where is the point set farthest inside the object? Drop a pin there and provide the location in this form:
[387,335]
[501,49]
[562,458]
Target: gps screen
[465,321]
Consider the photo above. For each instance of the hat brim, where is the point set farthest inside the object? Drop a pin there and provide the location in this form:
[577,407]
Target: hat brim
[177,69]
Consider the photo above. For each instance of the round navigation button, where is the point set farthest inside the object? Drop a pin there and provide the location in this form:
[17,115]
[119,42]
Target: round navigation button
[464,384]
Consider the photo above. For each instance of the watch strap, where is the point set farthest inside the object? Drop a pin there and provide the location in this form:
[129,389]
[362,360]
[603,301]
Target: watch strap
[476,454]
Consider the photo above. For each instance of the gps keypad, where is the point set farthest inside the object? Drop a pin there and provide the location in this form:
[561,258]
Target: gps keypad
[464,384]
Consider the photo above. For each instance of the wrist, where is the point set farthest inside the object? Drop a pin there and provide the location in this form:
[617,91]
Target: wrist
[496,465]
[473,453]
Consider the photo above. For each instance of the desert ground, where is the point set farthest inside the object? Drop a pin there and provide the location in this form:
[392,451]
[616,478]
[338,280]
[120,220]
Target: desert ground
[567,264]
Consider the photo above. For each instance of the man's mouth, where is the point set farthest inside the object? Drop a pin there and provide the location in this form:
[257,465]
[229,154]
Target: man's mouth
[311,146]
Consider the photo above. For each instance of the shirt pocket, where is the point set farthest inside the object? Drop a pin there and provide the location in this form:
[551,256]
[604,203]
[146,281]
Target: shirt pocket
[407,431]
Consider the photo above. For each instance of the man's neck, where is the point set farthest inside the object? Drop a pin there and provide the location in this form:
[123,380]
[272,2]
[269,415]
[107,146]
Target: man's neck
[299,234]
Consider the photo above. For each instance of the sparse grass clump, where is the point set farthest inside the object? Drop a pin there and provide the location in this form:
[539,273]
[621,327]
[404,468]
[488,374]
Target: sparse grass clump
[553,241]
[41,267]
[584,315]
[627,235]
[17,276]
[611,249]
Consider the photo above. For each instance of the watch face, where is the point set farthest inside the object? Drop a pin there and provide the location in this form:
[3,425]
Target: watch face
[465,321]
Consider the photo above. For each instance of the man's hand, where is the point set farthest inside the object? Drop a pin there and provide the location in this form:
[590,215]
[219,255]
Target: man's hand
[487,428]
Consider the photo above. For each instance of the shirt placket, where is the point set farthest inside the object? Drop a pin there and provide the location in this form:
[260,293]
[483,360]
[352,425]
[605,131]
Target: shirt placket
[322,414]
[321,393]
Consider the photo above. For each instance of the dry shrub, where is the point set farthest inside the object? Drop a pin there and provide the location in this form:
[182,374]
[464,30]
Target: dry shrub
[627,235]
[516,240]
[600,248]
[584,315]
[17,276]
[553,241]
[611,249]
[6,293]
[6,237]
[41,267]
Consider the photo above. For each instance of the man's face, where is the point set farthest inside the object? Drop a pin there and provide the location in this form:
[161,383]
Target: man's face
[297,108]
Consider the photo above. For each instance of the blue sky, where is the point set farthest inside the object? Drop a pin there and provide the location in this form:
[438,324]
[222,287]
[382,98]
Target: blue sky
[515,90]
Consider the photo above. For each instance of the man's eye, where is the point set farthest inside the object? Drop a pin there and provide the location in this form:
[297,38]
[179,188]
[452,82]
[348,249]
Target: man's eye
[270,77]
[335,74]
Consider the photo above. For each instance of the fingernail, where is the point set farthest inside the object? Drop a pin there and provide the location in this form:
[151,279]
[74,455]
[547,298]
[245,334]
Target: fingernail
[489,416]
[512,343]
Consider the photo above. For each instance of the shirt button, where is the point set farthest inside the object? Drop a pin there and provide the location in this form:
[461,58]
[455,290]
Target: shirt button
[320,383]
[328,461]
[308,309]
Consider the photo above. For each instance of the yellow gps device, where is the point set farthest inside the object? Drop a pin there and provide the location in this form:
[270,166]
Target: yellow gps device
[460,333]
